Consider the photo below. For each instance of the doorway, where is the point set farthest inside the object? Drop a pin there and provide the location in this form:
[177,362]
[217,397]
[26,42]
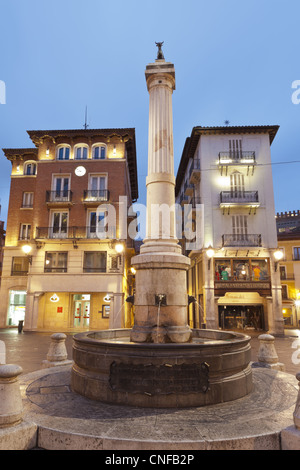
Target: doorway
[81,310]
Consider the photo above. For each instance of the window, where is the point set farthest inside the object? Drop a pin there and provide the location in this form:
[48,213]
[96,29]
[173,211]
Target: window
[27,200]
[237,184]
[25,231]
[63,153]
[29,168]
[56,262]
[285,291]
[59,228]
[94,262]
[282,270]
[81,152]
[16,309]
[97,188]
[240,225]
[296,253]
[96,225]
[60,185]
[235,148]
[241,269]
[99,152]
[20,265]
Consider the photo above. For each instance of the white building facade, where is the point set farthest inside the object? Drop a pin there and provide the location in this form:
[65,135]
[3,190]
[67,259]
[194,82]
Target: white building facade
[226,173]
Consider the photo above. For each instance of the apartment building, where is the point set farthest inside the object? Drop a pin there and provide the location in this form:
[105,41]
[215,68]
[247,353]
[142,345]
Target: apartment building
[288,233]
[66,260]
[225,172]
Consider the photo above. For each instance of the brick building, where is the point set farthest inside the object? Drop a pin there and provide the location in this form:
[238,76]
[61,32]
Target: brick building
[67,222]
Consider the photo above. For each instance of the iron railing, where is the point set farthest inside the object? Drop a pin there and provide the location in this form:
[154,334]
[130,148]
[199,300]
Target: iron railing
[238,157]
[75,232]
[241,240]
[238,197]
[96,195]
[59,196]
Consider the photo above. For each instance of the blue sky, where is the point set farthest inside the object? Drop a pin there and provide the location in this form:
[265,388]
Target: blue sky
[234,60]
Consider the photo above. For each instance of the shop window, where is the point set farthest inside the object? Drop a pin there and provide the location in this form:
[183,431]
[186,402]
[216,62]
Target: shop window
[94,262]
[20,265]
[260,270]
[223,270]
[56,262]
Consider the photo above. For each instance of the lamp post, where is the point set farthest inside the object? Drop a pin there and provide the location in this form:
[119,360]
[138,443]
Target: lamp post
[278,255]
[210,253]
[27,250]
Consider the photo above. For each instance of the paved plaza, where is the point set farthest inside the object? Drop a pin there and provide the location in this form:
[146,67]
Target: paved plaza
[29,349]
[56,418]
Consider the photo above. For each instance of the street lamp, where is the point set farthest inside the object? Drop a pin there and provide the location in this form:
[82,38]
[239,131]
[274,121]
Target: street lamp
[119,247]
[278,255]
[210,253]
[27,249]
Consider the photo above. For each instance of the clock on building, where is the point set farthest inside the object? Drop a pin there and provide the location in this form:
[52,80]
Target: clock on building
[80,171]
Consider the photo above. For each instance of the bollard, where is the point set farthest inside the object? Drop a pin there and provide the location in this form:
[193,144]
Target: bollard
[2,353]
[290,436]
[11,408]
[57,354]
[267,355]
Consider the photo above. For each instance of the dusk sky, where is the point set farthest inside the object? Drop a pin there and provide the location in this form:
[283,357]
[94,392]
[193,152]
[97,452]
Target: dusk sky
[234,60]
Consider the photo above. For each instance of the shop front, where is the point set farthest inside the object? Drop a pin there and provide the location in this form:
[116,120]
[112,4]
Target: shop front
[241,317]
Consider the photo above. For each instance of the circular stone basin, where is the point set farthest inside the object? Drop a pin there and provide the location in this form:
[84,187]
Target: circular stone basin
[213,368]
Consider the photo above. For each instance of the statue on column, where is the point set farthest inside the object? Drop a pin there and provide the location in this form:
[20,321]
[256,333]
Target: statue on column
[160,54]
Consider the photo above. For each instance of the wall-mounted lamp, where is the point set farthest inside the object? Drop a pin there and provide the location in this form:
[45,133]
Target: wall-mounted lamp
[209,253]
[114,151]
[132,270]
[27,249]
[278,255]
[119,247]
[47,151]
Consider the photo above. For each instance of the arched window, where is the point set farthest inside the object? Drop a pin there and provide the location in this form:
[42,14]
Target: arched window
[63,152]
[29,168]
[81,152]
[99,152]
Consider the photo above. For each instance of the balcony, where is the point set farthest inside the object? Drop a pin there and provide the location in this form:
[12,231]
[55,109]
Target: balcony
[75,233]
[60,198]
[246,199]
[194,173]
[241,240]
[188,189]
[95,196]
[237,158]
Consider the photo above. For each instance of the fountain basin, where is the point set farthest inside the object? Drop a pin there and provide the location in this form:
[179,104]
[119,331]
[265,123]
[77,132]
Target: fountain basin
[213,368]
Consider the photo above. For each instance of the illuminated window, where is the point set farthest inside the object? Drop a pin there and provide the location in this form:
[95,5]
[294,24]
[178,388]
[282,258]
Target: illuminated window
[99,152]
[63,152]
[81,152]
[30,168]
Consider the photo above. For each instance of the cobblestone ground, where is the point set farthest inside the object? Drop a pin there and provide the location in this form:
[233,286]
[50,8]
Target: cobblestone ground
[29,349]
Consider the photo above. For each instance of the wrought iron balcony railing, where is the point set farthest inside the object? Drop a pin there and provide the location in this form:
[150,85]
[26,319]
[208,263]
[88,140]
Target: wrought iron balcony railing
[97,195]
[237,240]
[239,197]
[59,196]
[75,232]
[236,157]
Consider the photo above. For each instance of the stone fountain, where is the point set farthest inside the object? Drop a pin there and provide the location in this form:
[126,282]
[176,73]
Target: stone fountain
[161,362]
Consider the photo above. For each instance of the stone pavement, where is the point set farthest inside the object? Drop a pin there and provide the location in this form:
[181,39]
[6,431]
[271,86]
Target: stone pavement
[59,419]
[29,349]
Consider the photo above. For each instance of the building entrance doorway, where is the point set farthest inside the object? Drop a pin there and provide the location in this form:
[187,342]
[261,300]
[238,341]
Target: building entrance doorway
[241,317]
[81,310]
